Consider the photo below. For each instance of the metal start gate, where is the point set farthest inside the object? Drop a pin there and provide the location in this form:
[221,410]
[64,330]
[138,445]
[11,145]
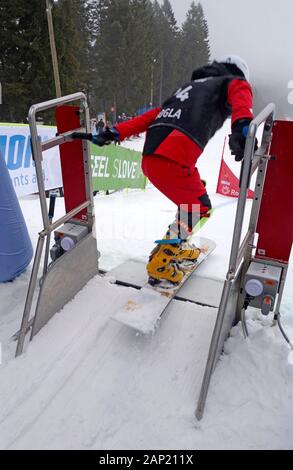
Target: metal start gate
[257,272]
[75,255]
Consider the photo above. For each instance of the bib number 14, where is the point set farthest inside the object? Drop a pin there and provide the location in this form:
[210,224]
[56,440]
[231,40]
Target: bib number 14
[183,94]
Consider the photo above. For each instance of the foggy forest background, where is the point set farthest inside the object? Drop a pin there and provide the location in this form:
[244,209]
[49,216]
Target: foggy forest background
[127,54]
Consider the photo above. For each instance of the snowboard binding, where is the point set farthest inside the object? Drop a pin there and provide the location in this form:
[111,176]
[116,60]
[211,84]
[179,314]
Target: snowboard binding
[163,285]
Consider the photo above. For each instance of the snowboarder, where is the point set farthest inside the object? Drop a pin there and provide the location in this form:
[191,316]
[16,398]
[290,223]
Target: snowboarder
[177,134]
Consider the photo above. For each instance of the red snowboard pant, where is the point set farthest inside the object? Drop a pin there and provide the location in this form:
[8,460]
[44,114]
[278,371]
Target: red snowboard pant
[182,185]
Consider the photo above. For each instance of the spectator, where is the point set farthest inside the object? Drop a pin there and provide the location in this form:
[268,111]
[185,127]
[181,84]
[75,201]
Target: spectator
[100,126]
[94,126]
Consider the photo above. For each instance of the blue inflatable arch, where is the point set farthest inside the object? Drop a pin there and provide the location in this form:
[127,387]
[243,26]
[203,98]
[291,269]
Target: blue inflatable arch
[16,250]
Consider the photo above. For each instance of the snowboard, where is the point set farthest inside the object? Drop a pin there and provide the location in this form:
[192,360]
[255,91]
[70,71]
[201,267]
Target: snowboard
[144,308]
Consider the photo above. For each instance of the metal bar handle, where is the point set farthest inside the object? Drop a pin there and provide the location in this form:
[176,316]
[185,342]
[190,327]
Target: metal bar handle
[36,108]
[37,147]
[59,139]
[65,218]
[266,115]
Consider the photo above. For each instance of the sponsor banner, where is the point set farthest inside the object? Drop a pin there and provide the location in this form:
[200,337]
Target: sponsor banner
[115,167]
[15,146]
[228,182]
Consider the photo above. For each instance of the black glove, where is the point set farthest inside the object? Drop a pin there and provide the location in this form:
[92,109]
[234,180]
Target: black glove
[104,138]
[237,139]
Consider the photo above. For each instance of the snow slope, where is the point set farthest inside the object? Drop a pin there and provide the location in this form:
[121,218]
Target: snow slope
[86,382]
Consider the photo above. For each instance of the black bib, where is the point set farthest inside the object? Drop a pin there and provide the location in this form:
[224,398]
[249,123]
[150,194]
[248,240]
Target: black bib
[198,109]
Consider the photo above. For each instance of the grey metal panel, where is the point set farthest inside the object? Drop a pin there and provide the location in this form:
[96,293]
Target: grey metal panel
[202,290]
[64,279]
[131,272]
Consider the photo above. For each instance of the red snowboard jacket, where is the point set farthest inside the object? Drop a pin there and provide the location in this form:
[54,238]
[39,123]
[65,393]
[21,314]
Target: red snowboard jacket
[177,145]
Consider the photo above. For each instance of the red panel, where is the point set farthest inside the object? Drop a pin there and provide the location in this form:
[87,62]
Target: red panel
[275,223]
[71,155]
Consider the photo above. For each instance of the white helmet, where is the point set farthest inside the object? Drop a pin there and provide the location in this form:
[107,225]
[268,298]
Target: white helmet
[238,61]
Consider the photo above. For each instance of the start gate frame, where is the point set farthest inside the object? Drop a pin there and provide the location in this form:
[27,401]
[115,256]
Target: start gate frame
[66,276]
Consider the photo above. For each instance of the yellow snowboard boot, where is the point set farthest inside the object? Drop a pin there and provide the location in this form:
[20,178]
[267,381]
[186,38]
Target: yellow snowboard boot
[162,265]
[188,254]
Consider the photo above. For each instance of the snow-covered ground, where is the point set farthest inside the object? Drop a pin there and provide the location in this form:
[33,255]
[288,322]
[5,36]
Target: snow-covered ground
[87,382]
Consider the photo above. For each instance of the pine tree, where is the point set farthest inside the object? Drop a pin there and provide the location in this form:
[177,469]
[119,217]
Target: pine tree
[167,35]
[26,65]
[195,50]
[168,13]
[23,66]
[140,45]
[109,50]
[203,37]
[123,51]
[93,11]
